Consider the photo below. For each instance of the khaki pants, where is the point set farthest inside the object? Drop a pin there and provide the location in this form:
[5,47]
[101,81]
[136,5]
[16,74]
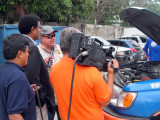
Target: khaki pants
[44,112]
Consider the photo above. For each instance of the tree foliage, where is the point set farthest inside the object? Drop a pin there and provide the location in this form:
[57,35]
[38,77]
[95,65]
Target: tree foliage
[49,10]
[108,10]
[66,11]
[155,7]
[82,9]
[60,11]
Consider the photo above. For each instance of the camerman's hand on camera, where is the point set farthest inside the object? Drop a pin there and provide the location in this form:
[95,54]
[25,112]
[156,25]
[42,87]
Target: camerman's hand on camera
[113,66]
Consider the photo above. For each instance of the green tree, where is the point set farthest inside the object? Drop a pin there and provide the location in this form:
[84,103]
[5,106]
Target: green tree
[61,11]
[81,9]
[155,7]
[55,11]
[108,10]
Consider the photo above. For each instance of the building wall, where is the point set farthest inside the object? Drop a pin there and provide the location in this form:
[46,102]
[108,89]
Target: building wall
[106,31]
[132,31]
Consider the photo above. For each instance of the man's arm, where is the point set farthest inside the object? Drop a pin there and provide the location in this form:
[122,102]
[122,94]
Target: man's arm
[17,97]
[110,80]
[15,117]
[146,47]
[110,85]
[103,90]
[32,70]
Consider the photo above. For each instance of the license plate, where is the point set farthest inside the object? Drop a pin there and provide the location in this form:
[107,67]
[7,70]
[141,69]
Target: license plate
[142,57]
[131,57]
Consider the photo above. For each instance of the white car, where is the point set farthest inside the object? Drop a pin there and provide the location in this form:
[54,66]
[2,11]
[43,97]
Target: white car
[141,40]
[122,54]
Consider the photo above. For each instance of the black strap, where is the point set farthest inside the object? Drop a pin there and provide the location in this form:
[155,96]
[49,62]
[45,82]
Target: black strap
[39,102]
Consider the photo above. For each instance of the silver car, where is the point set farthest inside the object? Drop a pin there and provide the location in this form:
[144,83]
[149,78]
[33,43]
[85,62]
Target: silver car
[122,54]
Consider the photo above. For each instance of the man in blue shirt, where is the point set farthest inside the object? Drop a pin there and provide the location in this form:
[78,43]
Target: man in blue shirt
[17,99]
[152,50]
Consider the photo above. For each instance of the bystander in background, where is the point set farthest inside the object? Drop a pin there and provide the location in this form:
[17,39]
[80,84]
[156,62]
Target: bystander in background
[152,50]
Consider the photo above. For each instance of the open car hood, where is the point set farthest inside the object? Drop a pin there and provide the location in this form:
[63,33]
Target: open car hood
[145,20]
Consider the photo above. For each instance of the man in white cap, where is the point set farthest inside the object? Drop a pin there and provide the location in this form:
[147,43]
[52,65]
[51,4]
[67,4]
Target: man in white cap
[48,42]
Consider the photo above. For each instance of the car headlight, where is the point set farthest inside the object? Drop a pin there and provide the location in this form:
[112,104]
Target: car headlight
[122,99]
[120,53]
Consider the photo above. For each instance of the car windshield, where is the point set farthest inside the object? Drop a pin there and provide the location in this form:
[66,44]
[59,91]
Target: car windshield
[143,39]
[105,42]
[134,43]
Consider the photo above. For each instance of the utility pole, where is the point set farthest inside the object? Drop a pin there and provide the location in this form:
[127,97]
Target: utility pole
[95,12]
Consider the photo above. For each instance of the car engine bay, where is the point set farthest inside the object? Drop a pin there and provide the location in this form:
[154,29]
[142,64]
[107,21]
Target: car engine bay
[137,72]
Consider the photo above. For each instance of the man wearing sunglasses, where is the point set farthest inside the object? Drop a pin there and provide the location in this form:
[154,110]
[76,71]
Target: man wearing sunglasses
[48,41]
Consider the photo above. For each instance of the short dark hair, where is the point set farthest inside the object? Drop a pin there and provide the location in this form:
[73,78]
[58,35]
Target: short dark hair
[27,22]
[12,44]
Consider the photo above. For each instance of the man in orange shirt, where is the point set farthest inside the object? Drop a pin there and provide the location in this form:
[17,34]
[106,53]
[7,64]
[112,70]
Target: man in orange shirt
[90,92]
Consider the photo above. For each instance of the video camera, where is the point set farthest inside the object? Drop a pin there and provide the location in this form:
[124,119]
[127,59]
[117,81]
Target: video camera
[97,55]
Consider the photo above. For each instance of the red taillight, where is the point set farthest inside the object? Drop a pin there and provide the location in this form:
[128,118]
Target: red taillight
[134,50]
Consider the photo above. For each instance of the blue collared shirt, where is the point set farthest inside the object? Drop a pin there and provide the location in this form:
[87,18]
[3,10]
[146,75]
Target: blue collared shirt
[31,39]
[16,94]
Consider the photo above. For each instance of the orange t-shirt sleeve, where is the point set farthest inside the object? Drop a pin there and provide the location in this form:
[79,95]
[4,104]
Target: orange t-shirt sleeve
[101,90]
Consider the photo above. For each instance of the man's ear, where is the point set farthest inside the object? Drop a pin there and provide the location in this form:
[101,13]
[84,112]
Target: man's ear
[32,29]
[42,38]
[19,54]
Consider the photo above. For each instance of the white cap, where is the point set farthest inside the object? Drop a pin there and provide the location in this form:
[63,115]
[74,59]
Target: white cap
[47,30]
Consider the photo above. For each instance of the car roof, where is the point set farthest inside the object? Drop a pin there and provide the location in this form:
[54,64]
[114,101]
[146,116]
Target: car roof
[101,39]
[144,36]
[109,44]
[129,42]
[122,40]
[141,36]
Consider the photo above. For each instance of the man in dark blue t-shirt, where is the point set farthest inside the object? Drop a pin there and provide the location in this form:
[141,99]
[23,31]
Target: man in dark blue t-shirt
[17,99]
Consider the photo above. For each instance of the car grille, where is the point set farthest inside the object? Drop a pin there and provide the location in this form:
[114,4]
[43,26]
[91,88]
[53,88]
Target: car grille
[139,50]
[129,52]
